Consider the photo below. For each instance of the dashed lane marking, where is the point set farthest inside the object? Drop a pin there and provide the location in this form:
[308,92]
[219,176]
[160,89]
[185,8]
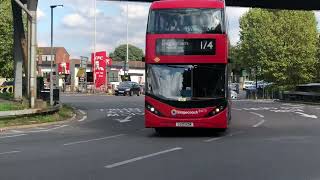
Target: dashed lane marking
[82,112]
[90,140]
[260,115]
[213,139]
[47,130]
[218,138]
[16,131]
[259,123]
[12,136]
[307,115]
[82,119]
[235,133]
[127,119]
[9,152]
[142,157]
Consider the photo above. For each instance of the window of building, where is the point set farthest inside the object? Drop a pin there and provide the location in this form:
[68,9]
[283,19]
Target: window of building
[113,76]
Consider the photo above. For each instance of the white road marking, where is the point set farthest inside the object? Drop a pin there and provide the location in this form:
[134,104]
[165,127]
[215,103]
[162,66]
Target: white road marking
[235,133]
[9,152]
[16,131]
[39,128]
[237,109]
[142,157]
[82,112]
[82,119]
[260,115]
[127,119]
[259,123]
[46,130]
[12,136]
[90,140]
[307,115]
[213,139]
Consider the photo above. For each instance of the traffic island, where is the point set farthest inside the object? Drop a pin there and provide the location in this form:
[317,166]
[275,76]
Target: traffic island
[29,117]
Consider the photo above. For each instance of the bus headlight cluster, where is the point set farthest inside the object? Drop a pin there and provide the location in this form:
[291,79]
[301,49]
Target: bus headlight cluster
[152,109]
[216,110]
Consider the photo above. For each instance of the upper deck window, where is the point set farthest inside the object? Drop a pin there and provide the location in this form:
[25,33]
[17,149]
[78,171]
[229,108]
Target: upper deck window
[186,21]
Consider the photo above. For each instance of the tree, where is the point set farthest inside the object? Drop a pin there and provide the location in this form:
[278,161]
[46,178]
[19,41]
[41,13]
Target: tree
[282,43]
[120,53]
[6,39]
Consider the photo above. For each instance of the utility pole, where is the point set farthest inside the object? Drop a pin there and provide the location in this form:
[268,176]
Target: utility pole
[52,57]
[127,59]
[94,45]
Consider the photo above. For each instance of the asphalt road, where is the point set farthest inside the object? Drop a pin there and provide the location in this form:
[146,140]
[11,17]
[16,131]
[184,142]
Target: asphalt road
[267,140]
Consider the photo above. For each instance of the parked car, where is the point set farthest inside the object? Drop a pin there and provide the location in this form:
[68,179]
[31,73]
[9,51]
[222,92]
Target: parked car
[234,87]
[263,84]
[128,88]
[248,84]
[233,94]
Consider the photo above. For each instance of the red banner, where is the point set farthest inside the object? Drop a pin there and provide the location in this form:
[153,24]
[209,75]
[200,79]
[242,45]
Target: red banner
[100,68]
[64,68]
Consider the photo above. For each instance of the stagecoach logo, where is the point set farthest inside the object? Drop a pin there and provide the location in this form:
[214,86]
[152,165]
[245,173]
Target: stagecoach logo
[157,59]
[175,112]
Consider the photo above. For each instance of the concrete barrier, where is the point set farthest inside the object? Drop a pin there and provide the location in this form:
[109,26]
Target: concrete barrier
[27,112]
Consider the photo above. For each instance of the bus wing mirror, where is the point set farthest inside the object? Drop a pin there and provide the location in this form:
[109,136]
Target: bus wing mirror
[143,59]
[230,60]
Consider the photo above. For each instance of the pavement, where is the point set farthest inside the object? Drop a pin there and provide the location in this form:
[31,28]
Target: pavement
[267,141]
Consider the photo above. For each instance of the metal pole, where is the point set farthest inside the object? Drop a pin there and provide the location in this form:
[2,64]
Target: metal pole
[94,45]
[127,59]
[51,63]
[33,80]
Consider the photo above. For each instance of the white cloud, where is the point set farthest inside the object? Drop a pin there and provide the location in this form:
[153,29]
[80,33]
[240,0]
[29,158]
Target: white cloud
[234,15]
[135,10]
[43,44]
[40,14]
[317,13]
[74,20]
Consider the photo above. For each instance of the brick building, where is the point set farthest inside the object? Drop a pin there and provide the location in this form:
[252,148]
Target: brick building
[61,61]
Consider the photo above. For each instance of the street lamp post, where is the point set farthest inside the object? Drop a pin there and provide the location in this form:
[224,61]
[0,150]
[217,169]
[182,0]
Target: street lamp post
[52,56]
[127,58]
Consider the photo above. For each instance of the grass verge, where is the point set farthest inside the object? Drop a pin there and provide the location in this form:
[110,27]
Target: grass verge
[11,106]
[6,96]
[65,113]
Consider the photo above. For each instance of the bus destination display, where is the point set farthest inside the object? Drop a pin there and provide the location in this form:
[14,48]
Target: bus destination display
[176,47]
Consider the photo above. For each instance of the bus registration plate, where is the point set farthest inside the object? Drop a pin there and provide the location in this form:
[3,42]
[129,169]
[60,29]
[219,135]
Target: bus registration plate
[184,124]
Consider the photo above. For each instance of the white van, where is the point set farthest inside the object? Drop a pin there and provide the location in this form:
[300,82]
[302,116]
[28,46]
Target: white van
[248,84]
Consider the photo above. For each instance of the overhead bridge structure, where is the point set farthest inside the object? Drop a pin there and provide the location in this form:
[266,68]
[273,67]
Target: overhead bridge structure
[270,4]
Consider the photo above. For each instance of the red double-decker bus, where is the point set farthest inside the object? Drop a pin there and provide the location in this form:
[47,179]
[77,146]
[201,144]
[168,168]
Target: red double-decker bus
[187,65]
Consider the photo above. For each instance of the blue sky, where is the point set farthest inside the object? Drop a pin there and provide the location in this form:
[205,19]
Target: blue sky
[73,25]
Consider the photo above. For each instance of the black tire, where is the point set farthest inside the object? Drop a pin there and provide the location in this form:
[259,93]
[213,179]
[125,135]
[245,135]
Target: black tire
[116,94]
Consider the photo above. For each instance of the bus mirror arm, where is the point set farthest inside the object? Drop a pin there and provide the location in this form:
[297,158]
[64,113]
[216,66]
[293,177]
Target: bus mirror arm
[230,60]
[143,59]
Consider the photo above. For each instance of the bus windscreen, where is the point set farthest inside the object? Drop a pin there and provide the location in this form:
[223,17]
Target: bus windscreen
[186,82]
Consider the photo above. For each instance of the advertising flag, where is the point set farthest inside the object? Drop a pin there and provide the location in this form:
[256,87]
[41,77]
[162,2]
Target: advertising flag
[99,65]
